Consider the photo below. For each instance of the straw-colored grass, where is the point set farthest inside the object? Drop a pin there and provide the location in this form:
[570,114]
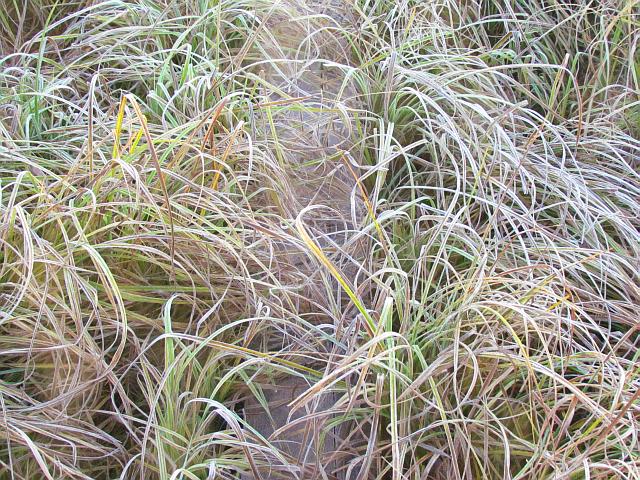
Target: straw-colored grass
[476,314]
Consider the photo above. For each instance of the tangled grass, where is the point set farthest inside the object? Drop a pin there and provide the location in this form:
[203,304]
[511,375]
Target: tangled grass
[473,310]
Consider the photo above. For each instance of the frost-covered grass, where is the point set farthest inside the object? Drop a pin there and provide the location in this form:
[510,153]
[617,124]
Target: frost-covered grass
[478,320]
